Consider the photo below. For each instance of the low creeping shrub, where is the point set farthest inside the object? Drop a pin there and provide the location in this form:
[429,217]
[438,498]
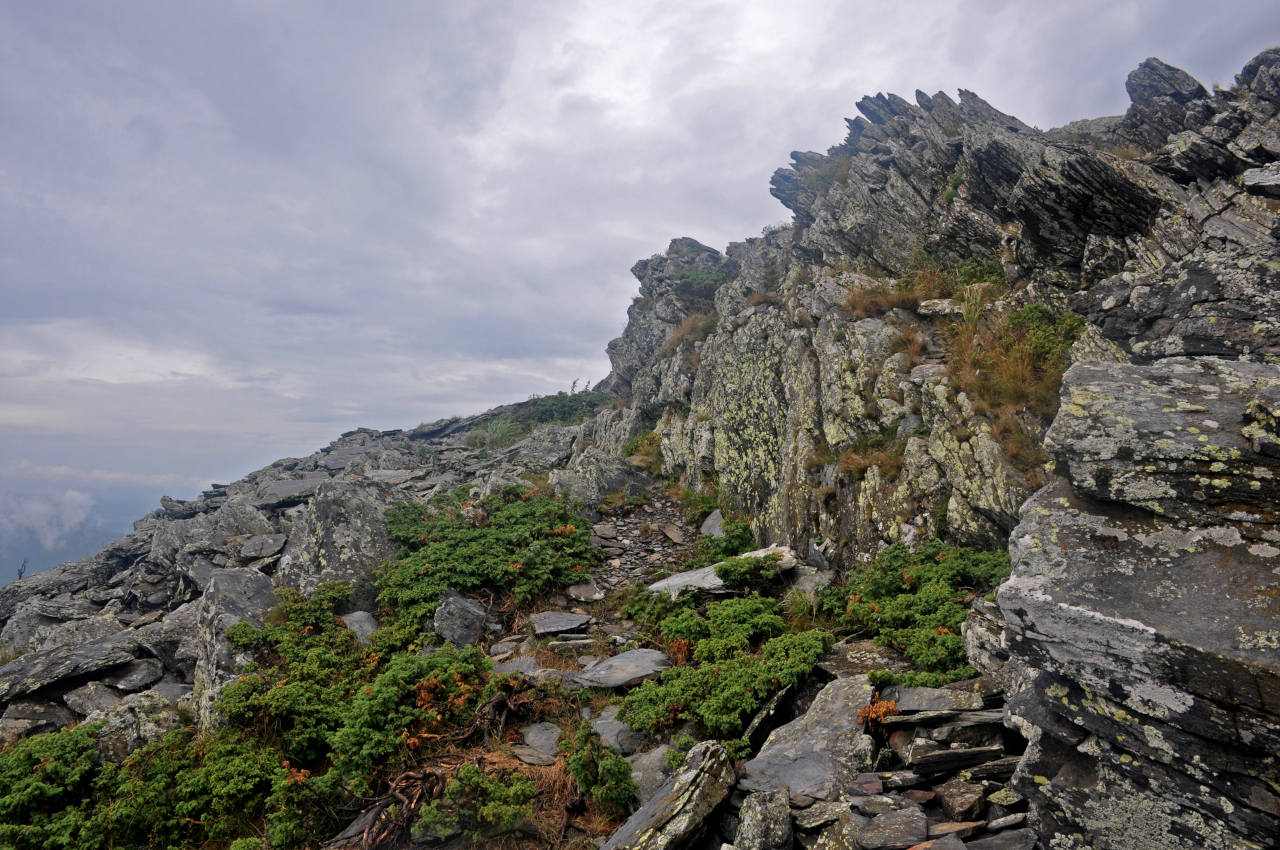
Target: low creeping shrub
[722,694]
[598,771]
[513,540]
[916,602]
[477,804]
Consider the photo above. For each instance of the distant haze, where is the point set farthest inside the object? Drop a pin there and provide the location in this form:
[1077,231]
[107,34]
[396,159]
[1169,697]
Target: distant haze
[231,231]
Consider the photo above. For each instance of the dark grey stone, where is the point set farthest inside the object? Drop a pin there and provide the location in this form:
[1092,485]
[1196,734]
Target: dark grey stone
[625,669]
[458,619]
[818,754]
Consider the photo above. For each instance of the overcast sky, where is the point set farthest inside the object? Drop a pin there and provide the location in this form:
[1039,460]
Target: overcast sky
[230,231]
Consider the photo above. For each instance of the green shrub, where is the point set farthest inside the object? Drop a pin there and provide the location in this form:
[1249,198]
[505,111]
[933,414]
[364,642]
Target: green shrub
[562,408]
[478,804]
[413,700]
[710,550]
[649,609]
[748,572]
[722,694]
[916,602]
[306,666]
[599,772]
[523,542]
[45,786]
[753,617]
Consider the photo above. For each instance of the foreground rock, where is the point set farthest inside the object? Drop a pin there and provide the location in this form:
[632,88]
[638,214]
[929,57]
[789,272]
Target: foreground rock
[817,755]
[680,812]
[1153,704]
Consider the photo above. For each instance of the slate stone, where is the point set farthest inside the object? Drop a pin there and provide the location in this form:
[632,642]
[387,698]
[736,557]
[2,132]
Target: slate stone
[842,834]
[458,619]
[931,699]
[703,579]
[946,842]
[615,734]
[1015,839]
[543,737]
[263,546]
[523,664]
[676,816]
[713,525]
[31,717]
[625,669]
[820,753]
[960,829]
[362,623]
[134,721]
[35,670]
[673,533]
[135,675]
[764,821]
[555,622]
[852,657]
[649,771]
[960,800]
[529,755]
[91,697]
[821,813]
[898,829]
[587,592]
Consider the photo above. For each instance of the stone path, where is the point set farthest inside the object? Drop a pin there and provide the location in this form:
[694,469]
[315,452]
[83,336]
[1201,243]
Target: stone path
[640,541]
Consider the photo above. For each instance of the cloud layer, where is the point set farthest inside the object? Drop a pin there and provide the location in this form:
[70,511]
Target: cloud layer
[230,232]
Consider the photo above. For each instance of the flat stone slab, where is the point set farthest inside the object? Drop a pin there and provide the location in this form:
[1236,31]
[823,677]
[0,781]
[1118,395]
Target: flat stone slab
[820,753]
[855,657]
[588,592]
[627,668]
[555,622]
[677,813]
[529,755]
[543,737]
[703,579]
[898,829]
[615,734]
[932,699]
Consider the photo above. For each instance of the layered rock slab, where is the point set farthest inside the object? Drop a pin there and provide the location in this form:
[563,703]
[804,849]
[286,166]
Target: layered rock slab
[1144,612]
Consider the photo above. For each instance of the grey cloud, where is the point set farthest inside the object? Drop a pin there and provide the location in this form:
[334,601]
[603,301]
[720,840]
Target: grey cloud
[299,220]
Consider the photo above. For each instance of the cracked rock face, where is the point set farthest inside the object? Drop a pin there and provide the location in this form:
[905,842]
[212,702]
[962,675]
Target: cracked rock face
[1143,612]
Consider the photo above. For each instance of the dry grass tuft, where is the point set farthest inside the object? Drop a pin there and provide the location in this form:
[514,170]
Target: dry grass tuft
[694,328]
[888,459]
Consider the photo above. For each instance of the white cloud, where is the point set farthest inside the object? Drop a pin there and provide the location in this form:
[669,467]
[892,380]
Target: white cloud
[51,519]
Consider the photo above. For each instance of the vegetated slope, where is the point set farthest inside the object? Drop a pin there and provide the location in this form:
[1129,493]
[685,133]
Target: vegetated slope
[884,370]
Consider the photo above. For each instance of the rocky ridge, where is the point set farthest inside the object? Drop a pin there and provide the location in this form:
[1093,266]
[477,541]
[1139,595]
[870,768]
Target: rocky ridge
[1132,691]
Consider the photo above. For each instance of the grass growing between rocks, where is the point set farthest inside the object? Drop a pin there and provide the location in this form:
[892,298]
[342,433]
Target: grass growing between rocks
[562,408]
[925,278]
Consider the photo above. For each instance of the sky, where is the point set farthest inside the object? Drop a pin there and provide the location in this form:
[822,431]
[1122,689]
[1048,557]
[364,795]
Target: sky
[230,231]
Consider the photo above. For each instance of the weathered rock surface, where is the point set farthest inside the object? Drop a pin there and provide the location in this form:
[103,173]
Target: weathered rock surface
[458,619]
[819,753]
[1143,614]
[765,821]
[625,669]
[680,811]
